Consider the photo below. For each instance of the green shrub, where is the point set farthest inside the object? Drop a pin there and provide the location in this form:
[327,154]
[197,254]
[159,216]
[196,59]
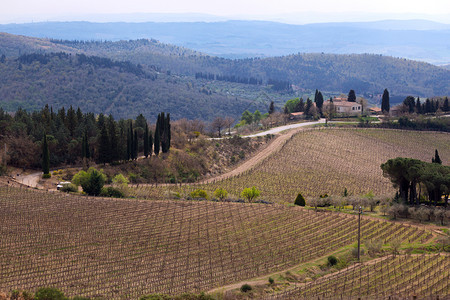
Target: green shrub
[112,192]
[91,181]
[300,200]
[246,287]
[332,260]
[271,280]
[80,298]
[69,188]
[250,193]
[46,176]
[198,193]
[220,193]
[49,294]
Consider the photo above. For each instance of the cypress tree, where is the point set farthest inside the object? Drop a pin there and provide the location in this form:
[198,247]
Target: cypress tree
[146,141]
[45,156]
[446,107]
[319,101]
[436,159]
[271,108]
[135,145]
[128,145]
[167,132]
[351,96]
[385,106]
[163,132]
[418,106]
[157,143]
[309,104]
[150,143]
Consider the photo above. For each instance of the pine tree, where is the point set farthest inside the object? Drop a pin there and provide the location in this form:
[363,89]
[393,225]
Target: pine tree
[351,96]
[71,121]
[113,139]
[436,159]
[104,146]
[86,153]
[45,157]
[146,141]
[385,106]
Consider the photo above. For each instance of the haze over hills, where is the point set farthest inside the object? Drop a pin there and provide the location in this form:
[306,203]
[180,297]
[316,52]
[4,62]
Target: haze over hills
[413,39]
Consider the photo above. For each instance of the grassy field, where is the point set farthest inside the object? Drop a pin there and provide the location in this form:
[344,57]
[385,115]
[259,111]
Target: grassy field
[117,249]
[323,161]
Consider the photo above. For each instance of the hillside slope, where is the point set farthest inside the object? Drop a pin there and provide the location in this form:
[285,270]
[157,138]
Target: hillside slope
[100,85]
[317,162]
[365,73]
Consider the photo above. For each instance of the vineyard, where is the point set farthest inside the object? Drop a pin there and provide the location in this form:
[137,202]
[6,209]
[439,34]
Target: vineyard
[326,161]
[115,249]
[392,277]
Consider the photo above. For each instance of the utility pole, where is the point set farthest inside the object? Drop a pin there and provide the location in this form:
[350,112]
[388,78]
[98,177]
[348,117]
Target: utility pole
[359,232]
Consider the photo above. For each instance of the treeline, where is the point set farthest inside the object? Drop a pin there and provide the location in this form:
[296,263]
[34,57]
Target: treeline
[73,136]
[280,85]
[228,78]
[419,181]
[428,106]
[80,59]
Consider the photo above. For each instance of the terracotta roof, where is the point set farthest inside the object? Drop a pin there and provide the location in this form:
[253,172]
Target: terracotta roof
[297,114]
[377,109]
[346,103]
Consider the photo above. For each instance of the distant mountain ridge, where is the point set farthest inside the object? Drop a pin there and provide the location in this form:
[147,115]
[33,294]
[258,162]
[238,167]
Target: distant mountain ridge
[413,39]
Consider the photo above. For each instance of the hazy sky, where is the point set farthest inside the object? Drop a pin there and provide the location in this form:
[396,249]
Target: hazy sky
[21,10]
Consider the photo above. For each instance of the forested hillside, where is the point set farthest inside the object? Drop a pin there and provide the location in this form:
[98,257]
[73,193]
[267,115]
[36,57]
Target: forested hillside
[101,85]
[367,74]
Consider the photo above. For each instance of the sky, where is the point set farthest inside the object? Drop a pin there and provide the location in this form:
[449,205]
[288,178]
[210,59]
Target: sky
[19,11]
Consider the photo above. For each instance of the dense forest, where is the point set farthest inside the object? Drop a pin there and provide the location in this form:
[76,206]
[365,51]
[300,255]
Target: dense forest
[367,74]
[101,85]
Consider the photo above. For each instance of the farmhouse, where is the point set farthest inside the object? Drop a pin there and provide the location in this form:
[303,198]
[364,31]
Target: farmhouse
[342,106]
[296,115]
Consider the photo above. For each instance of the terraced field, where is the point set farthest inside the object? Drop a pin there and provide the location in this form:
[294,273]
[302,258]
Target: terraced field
[323,161]
[127,248]
[400,277]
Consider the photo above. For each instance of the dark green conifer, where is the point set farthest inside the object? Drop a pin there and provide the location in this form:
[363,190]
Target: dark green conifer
[351,96]
[385,106]
[146,141]
[436,159]
[45,157]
